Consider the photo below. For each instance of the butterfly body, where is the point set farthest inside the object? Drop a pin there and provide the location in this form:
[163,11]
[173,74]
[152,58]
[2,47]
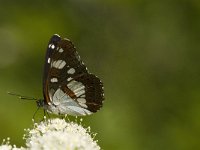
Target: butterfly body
[68,87]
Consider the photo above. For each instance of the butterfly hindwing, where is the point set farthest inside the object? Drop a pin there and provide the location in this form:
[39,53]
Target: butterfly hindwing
[93,91]
[86,90]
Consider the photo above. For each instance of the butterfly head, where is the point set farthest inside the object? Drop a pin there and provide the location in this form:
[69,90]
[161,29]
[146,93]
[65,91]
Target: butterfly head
[40,103]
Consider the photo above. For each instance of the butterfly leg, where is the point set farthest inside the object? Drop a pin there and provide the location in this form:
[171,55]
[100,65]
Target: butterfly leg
[66,117]
[48,115]
[35,113]
[44,113]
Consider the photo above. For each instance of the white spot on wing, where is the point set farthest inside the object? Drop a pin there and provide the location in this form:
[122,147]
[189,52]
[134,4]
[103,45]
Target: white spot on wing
[54,80]
[69,79]
[52,46]
[83,105]
[63,63]
[49,59]
[61,50]
[73,85]
[81,100]
[82,95]
[77,87]
[71,71]
[59,64]
[78,93]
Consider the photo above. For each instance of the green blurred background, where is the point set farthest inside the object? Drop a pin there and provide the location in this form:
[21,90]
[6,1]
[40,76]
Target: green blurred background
[147,53]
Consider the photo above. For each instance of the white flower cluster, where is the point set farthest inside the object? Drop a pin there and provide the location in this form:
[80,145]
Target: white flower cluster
[57,134]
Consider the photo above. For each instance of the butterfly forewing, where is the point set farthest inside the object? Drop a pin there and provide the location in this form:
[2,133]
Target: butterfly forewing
[66,81]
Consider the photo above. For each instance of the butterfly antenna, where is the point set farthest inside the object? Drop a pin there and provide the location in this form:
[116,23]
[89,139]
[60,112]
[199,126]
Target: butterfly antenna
[22,97]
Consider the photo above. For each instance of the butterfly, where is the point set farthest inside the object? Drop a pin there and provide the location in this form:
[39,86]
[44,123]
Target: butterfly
[68,87]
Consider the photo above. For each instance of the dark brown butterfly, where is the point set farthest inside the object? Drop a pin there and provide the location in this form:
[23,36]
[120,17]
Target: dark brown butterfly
[68,87]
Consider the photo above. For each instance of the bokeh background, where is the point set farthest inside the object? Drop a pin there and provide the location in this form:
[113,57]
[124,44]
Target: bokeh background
[147,53]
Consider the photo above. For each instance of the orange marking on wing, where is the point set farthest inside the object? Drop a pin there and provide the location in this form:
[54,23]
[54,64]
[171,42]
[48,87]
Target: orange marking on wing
[69,92]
